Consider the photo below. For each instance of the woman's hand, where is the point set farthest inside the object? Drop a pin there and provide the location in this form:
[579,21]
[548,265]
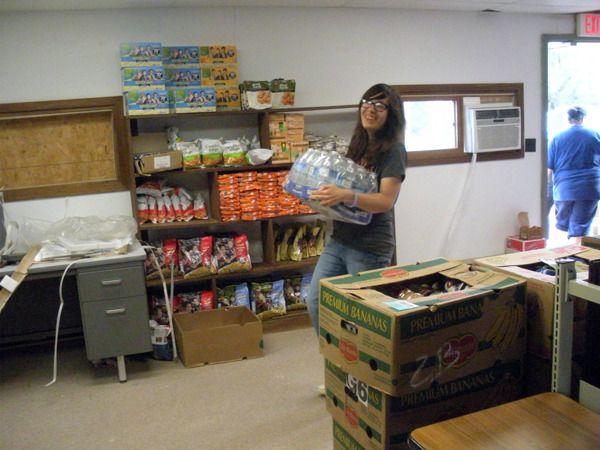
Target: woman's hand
[330,195]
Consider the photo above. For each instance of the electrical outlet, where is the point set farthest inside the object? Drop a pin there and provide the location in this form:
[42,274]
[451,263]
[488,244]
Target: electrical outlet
[530,145]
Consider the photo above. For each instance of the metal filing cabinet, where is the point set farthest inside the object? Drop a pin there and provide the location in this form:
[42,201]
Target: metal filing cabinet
[114,312]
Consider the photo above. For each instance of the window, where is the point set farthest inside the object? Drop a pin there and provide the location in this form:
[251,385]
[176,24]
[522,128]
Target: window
[430,125]
[435,127]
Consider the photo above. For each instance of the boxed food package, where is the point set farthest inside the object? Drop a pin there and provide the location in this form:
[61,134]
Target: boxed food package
[188,100]
[143,78]
[380,421]
[218,335]
[277,128]
[255,95]
[218,54]
[182,77]
[295,134]
[228,98]
[294,120]
[186,55]
[144,102]
[281,151]
[141,54]
[147,163]
[297,149]
[219,75]
[541,284]
[402,329]
[283,93]
[516,244]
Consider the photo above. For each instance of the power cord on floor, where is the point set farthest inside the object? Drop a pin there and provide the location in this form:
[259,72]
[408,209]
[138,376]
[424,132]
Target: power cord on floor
[58,316]
[168,303]
[459,207]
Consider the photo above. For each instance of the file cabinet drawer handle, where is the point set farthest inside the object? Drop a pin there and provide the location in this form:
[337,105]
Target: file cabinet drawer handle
[116,282]
[114,312]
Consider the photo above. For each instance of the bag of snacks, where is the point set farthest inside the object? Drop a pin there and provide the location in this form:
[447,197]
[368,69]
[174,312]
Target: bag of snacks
[200,208]
[233,295]
[158,310]
[166,253]
[211,151]
[195,257]
[232,254]
[268,300]
[233,153]
[292,294]
[142,209]
[191,154]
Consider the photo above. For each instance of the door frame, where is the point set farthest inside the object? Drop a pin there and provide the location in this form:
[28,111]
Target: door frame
[546,38]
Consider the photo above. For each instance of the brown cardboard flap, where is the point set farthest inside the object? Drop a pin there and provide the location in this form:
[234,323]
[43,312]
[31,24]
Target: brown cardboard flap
[531,257]
[369,294]
[395,274]
[19,274]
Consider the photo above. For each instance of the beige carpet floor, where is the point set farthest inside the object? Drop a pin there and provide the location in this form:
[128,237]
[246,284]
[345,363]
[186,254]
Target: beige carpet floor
[265,403]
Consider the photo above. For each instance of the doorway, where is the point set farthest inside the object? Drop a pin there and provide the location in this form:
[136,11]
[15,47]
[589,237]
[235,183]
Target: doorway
[571,67]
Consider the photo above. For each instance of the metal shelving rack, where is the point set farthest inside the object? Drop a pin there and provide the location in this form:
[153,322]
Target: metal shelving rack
[567,287]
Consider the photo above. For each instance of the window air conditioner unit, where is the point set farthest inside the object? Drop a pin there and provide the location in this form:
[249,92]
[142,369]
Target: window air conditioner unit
[492,129]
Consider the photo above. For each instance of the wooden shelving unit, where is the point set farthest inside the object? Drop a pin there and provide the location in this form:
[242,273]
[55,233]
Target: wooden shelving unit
[269,267]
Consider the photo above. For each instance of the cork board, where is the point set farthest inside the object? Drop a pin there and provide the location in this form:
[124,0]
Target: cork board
[62,151]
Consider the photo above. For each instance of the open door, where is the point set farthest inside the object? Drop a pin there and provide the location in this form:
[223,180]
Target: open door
[571,68]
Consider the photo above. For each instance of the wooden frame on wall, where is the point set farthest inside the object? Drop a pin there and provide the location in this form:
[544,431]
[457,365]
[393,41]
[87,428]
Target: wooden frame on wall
[488,92]
[63,148]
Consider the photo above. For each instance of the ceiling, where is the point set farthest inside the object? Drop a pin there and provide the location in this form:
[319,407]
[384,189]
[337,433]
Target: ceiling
[507,6]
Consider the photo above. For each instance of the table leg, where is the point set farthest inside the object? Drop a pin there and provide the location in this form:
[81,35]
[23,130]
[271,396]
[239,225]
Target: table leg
[121,368]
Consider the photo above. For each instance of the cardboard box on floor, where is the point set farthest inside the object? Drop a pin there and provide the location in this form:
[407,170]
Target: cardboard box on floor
[379,421]
[218,335]
[343,439]
[540,293]
[402,347]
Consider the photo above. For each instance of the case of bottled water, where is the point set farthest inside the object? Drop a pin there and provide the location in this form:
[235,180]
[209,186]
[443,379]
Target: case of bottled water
[317,167]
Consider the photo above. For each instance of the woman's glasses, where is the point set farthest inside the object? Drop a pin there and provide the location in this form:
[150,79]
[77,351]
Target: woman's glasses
[379,106]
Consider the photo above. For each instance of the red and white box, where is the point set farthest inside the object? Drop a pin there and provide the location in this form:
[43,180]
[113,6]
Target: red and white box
[516,244]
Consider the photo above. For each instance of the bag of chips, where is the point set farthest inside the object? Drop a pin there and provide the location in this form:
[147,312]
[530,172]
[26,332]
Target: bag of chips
[267,299]
[195,257]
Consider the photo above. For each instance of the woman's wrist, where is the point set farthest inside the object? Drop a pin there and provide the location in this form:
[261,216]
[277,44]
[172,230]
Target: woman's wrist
[354,201]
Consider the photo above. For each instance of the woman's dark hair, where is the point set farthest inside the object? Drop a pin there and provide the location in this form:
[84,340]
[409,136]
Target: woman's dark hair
[576,113]
[360,148]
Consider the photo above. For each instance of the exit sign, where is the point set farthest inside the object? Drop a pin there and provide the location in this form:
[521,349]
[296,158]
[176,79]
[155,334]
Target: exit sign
[588,25]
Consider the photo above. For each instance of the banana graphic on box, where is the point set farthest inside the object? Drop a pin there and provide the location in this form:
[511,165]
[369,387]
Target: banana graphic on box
[505,329]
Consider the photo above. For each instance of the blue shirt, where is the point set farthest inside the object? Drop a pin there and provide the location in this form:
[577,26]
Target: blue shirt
[574,158]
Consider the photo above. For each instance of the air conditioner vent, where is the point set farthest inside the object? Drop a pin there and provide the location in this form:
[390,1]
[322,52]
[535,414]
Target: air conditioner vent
[492,129]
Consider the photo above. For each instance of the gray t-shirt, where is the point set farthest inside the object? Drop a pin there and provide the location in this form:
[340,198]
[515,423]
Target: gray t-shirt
[377,237]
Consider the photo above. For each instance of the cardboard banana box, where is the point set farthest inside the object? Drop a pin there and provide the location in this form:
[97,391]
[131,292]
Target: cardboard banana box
[377,420]
[540,292]
[343,439]
[404,346]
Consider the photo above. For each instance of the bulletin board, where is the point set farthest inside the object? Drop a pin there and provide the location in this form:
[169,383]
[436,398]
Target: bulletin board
[63,148]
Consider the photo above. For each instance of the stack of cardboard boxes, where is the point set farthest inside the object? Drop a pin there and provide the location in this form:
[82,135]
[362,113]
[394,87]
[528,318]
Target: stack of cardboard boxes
[219,69]
[540,305]
[393,365]
[186,92]
[143,78]
[286,135]
[179,79]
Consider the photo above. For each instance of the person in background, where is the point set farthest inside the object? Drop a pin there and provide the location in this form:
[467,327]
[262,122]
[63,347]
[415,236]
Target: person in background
[376,145]
[574,165]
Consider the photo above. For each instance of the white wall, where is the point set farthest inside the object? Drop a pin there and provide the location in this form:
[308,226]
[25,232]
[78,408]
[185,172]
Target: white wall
[334,54]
